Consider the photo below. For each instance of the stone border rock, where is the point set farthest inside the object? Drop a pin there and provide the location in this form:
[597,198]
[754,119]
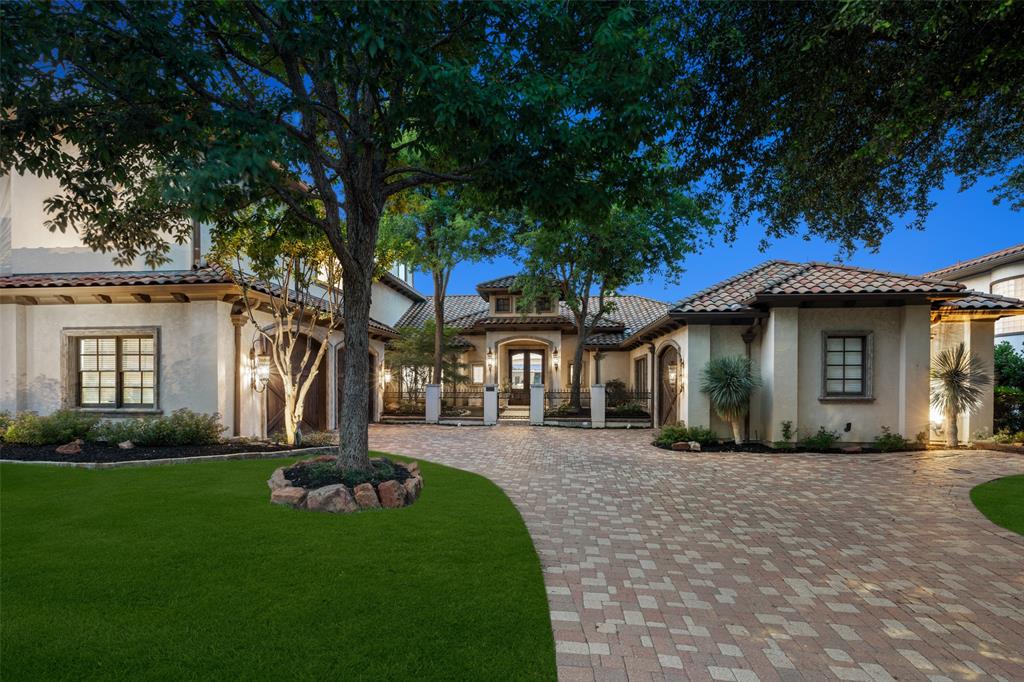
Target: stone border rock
[340,499]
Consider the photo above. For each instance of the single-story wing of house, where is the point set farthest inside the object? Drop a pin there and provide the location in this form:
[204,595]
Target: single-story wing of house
[835,346]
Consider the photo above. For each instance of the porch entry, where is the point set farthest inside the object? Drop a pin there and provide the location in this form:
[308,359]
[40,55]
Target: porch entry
[526,368]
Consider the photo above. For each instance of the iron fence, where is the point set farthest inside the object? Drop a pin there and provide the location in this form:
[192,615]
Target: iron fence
[405,403]
[627,405]
[558,404]
[467,403]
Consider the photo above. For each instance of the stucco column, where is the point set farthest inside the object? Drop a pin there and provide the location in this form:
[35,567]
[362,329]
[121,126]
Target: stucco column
[13,346]
[490,405]
[698,353]
[979,339]
[779,371]
[597,402]
[432,411]
[915,351]
[536,405]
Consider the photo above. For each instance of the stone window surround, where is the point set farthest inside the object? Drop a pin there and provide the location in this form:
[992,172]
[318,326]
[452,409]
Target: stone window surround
[69,369]
[868,371]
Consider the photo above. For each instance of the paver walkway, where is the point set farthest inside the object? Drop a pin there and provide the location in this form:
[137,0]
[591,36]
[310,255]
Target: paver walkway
[663,565]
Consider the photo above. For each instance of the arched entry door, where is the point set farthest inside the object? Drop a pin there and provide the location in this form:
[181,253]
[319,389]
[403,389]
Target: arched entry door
[371,381]
[670,374]
[314,411]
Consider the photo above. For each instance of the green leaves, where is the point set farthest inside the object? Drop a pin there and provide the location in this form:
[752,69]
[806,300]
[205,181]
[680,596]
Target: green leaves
[729,382]
[958,378]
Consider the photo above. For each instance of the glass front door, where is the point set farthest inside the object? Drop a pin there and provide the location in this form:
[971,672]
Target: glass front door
[526,368]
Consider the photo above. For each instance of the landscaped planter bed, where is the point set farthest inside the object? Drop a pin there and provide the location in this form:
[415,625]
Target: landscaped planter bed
[317,485]
[111,452]
[767,449]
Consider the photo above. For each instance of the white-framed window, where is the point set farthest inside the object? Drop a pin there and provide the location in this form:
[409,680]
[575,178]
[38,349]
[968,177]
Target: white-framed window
[477,372]
[1014,288]
[111,369]
[846,365]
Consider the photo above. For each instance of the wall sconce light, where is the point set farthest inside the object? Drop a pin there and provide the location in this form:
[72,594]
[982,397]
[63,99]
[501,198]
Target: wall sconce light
[554,359]
[490,358]
[259,366]
[386,377]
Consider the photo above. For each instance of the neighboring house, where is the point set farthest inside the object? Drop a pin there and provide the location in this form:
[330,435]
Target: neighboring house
[835,346]
[1000,273]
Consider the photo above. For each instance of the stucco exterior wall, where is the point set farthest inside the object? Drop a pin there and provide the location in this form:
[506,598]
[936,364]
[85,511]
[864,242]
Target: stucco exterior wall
[31,247]
[386,304]
[864,418]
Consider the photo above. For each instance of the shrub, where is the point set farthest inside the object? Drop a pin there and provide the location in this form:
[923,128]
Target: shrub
[1009,437]
[181,427]
[1009,409]
[63,426]
[318,473]
[319,439]
[5,421]
[822,440]
[615,392]
[887,441]
[675,433]
[787,431]
[628,408]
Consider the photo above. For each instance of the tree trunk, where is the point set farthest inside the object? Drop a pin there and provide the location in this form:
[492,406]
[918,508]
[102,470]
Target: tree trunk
[952,430]
[353,453]
[737,433]
[577,363]
[439,294]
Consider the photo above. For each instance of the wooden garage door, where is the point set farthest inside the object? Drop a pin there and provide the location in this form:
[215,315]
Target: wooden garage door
[314,415]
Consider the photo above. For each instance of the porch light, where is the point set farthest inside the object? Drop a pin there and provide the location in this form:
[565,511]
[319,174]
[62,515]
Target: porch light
[490,358]
[387,377]
[259,365]
[554,359]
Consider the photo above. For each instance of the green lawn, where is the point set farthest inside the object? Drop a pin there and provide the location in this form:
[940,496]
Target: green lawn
[1002,501]
[189,572]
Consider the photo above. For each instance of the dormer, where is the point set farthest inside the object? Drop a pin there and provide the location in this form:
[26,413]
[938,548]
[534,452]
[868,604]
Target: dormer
[505,299]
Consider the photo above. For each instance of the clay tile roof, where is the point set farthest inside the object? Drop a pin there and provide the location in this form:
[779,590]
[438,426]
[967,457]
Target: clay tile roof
[498,283]
[209,274]
[733,294]
[830,278]
[959,268]
[977,300]
[206,275]
[456,307]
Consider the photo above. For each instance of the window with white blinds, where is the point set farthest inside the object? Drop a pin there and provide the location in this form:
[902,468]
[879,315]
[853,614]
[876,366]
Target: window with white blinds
[116,371]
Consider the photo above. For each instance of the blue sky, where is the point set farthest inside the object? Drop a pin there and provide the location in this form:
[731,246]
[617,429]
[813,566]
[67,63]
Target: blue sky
[962,225]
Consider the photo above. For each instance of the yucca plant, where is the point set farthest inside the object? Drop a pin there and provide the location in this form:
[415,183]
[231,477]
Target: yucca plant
[958,377]
[728,383]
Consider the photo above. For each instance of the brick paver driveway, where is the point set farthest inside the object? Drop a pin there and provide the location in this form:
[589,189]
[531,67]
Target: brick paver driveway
[662,565]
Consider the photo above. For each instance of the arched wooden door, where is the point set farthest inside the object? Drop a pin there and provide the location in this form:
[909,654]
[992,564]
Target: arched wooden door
[371,400]
[670,374]
[314,411]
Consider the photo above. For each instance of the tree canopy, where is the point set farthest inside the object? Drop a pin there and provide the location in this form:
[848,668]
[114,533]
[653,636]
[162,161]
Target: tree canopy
[838,117]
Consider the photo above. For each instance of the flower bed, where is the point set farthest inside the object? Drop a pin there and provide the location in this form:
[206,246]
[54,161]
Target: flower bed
[89,451]
[318,485]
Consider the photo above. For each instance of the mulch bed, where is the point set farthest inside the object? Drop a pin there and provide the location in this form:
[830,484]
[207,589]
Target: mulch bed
[102,452]
[762,448]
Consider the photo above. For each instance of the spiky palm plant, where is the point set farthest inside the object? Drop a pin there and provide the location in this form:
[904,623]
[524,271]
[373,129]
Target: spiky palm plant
[958,377]
[729,382]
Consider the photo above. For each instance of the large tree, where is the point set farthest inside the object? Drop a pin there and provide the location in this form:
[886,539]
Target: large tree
[176,109]
[836,118]
[435,229]
[586,262]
